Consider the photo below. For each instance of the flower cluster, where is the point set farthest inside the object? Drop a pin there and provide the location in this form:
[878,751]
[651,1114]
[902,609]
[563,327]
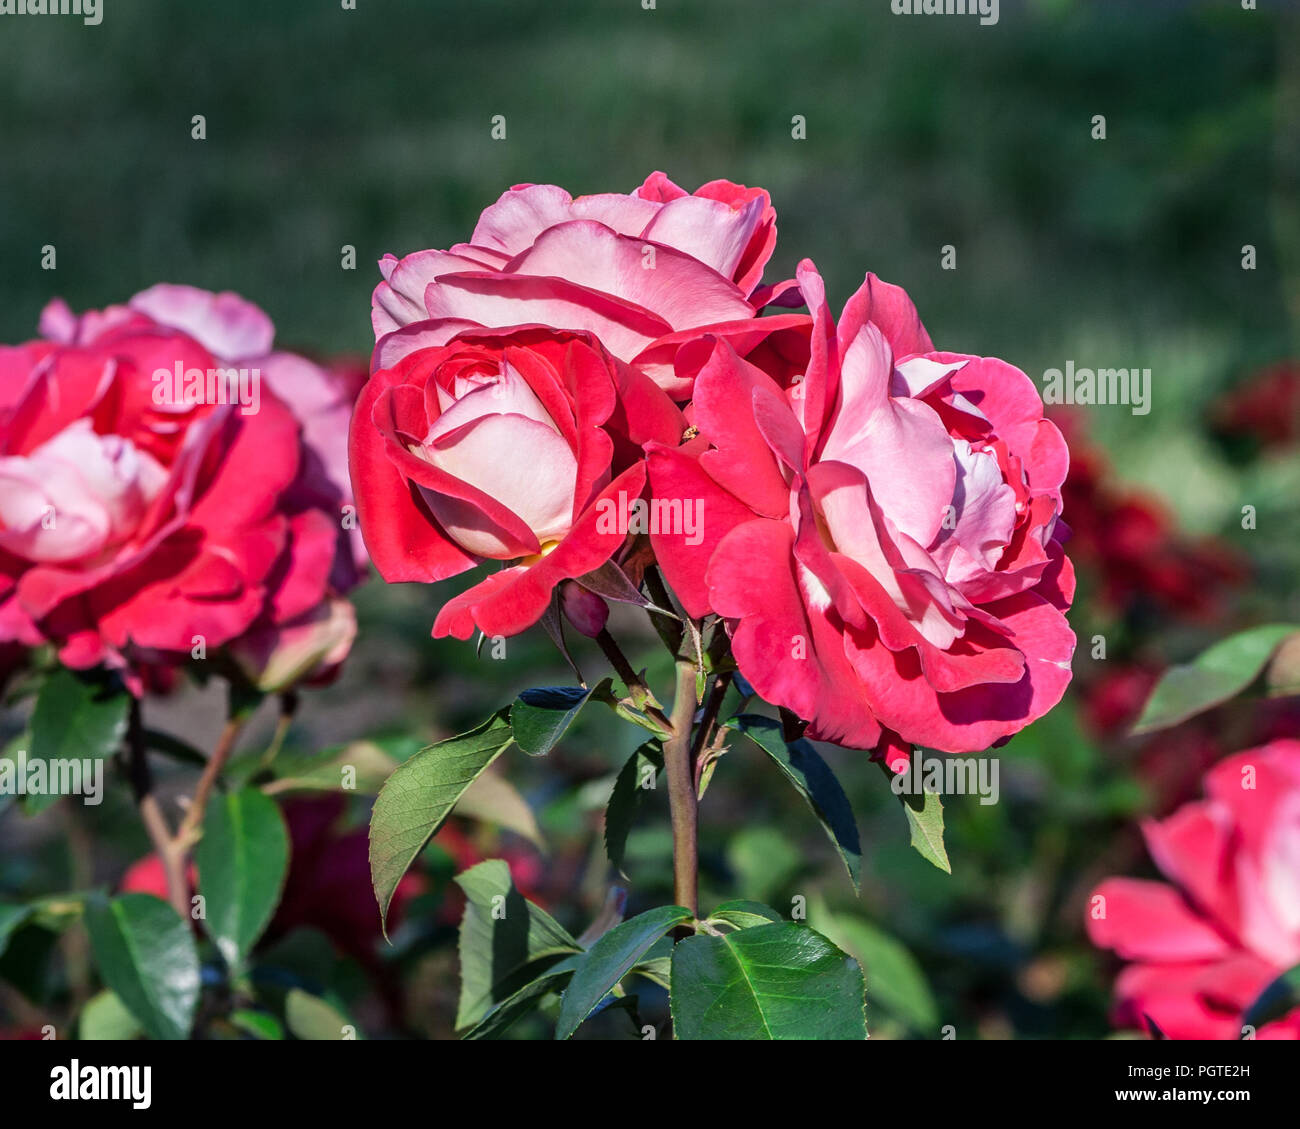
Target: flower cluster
[589,384]
[171,487]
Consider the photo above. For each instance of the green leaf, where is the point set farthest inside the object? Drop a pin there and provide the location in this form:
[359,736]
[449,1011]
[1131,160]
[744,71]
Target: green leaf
[242,860]
[657,964]
[764,862]
[1275,1001]
[493,799]
[610,959]
[895,981]
[11,916]
[418,797]
[503,937]
[815,781]
[925,819]
[56,912]
[146,954]
[312,1018]
[509,1011]
[1212,677]
[107,1017]
[366,764]
[540,717]
[610,915]
[743,914]
[76,718]
[1283,677]
[259,1024]
[779,981]
[646,763]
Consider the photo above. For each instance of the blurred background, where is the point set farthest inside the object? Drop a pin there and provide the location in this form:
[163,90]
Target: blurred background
[371,128]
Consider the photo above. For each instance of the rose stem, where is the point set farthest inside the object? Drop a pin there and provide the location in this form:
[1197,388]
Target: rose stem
[151,815]
[190,825]
[712,706]
[288,711]
[634,681]
[682,797]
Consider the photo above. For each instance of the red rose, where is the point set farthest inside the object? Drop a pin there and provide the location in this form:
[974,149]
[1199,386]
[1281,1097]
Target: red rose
[150,501]
[239,334]
[501,446]
[1265,409]
[880,536]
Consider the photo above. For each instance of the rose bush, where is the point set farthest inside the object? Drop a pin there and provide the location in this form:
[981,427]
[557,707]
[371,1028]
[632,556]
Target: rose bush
[834,518]
[881,535]
[1205,945]
[863,527]
[136,523]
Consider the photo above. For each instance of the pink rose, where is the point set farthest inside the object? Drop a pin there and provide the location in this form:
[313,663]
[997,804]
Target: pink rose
[99,486]
[135,523]
[322,397]
[881,536]
[644,273]
[309,647]
[240,335]
[501,446]
[1208,943]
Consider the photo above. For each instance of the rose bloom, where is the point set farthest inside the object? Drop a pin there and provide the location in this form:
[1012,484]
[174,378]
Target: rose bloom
[135,523]
[881,536]
[644,273]
[1205,945]
[502,445]
[239,334]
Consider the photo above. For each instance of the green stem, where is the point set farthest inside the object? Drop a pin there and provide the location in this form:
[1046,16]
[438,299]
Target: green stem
[712,707]
[192,825]
[288,710]
[683,801]
[634,682]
